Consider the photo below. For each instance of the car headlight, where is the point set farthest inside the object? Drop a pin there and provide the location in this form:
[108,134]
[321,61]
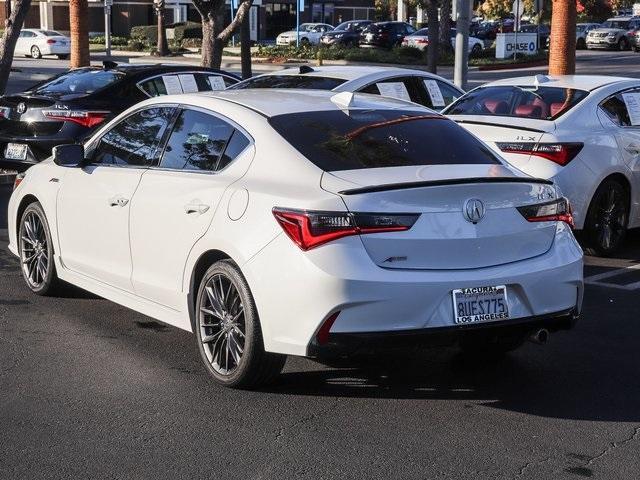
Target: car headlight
[338,35]
[612,35]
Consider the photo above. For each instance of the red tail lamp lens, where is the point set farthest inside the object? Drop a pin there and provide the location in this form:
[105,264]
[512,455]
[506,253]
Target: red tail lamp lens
[554,211]
[560,153]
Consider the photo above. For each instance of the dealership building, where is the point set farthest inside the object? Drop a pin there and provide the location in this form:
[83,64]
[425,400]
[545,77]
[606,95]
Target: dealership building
[268,18]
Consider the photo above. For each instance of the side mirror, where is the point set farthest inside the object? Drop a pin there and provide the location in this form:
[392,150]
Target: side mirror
[68,155]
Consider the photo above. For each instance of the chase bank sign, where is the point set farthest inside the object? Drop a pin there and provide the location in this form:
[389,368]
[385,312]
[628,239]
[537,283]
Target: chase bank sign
[509,43]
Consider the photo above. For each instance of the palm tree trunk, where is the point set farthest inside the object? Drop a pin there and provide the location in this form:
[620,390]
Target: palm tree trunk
[562,50]
[445,26]
[162,47]
[78,21]
[13,25]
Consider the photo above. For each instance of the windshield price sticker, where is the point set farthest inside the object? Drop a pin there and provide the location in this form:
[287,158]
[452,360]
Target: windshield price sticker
[216,82]
[434,93]
[394,90]
[188,83]
[632,101]
[172,84]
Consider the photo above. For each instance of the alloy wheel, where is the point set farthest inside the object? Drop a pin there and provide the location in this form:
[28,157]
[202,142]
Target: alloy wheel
[35,52]
[34,250]
[610,218]
[222,324]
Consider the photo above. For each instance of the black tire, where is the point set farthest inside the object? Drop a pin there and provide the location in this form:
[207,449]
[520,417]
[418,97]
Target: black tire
[36,252]
[476,50]
[35,52]
[623,44]
[581,44]
[304,42]
[607,218]
[216,325]
[63,57]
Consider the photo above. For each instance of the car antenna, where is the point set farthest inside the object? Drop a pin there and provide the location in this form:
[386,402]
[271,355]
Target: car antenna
[306,69]
[109,65]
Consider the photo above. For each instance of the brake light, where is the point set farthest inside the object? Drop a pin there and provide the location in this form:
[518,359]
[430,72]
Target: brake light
[50,41]
[423,41]
[310,229]
[4,112]
[555,211]
[560,153]
[86,118]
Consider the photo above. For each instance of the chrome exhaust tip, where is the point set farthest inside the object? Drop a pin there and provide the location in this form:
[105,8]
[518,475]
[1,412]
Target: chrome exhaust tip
[540,336]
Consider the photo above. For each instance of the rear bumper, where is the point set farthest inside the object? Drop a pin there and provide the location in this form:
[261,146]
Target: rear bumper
[351,344]
[38,148]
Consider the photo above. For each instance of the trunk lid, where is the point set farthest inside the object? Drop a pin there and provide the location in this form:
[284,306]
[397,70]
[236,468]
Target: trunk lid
[23,116]
[493,130]
[443,238]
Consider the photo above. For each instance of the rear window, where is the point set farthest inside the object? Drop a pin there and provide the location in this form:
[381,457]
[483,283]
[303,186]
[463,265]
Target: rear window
[335,140]
[544,103]
[81,81]
[290,81]
[51,33]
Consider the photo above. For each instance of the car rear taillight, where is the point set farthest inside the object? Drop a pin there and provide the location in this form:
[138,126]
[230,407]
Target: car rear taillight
[560,153]
[422,41]
[4,112]
[555,211]
[18,180]
[51,41]
[310,229]
[323,333]
[86,118]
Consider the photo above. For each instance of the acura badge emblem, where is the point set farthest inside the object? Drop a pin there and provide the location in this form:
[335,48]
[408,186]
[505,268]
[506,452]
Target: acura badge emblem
[473,210]
[21,108]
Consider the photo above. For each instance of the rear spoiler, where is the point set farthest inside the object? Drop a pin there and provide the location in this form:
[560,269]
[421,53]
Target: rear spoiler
[439,183]
[492,124]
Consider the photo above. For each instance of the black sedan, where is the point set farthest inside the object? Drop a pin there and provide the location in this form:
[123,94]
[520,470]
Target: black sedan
[385,34]
[68,107]
[347,34]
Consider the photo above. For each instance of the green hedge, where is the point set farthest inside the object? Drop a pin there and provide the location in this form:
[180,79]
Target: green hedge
[145,33]
[404,55]
[187,30]
[115,41]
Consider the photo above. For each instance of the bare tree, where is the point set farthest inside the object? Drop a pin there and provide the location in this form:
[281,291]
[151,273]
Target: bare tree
[245,47]
[214,34]
[162,49]
[12,27]
[79,25]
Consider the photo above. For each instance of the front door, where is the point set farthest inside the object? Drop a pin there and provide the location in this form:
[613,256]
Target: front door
[94,201]
[175,203]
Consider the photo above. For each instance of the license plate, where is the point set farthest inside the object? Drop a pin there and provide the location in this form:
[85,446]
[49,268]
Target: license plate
[15,151]
[480,304]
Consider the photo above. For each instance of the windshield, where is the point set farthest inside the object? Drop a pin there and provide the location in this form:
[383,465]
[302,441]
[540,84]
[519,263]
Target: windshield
[621,24]
[544,103]
[82,81]
[336,140]
[351,26]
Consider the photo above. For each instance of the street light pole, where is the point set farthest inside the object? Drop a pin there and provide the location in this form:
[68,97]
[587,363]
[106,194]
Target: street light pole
[107,26]
[460,71]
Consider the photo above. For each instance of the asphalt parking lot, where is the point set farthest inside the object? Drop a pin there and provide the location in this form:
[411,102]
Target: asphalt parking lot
[90,389]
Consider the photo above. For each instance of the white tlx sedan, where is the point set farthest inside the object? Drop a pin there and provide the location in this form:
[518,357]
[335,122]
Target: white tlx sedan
[582,132]
[290,222]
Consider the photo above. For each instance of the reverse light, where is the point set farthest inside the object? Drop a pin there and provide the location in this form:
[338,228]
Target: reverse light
[86,118]
[555,211]
[309,229]
[560,153]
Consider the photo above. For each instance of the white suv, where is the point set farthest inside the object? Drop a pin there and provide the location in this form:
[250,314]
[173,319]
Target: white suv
[616,33]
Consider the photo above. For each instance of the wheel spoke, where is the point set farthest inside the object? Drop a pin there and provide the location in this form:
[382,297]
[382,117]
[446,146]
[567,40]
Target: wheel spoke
[211,338]
[215,304]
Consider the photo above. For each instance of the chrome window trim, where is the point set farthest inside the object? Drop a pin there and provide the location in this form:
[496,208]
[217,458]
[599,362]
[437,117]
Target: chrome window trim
[185,72]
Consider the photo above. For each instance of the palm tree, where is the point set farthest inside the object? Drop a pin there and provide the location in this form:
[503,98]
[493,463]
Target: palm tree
[78,21]
[562,49]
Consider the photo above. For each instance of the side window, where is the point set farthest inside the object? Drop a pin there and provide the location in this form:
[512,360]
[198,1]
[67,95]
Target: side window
[196,142]
[234,148]
[616,109]
[133,142]
[402,88]
[449,94]
[184,83]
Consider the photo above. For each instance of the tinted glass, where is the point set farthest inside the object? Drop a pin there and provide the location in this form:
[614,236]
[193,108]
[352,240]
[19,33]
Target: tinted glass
[134,141]
[234,148]
[51,33]
[622,24]
[290,81]
[449,94]
[543,103]
[155,87]
[196,142]
[81,81]
[616,109]
[334,140]
[401,88]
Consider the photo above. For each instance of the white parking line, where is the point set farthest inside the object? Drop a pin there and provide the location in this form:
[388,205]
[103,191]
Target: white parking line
[597,279]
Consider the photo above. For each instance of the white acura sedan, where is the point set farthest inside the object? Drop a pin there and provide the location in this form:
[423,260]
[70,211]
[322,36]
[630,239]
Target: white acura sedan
[300,223]
[582,132]
[36,43]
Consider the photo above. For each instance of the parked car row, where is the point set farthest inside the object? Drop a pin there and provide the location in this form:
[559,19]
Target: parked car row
[328,211]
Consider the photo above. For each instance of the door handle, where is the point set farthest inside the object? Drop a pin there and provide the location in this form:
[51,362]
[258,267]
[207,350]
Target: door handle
[633,149]
[198,208]
[118,201]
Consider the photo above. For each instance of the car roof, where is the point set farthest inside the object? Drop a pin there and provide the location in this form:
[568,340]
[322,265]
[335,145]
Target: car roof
[349,72]
[578,82]
[279,102]
[159,68]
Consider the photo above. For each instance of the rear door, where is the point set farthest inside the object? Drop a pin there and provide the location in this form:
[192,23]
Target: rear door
[403,88]
[620,115]
[175,203]
[94,201]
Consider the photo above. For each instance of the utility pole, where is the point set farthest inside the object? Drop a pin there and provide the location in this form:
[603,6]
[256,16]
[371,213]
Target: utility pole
[107,26]
[462,16]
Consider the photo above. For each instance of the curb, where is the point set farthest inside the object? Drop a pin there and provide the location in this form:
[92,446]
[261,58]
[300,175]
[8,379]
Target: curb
[513,66]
